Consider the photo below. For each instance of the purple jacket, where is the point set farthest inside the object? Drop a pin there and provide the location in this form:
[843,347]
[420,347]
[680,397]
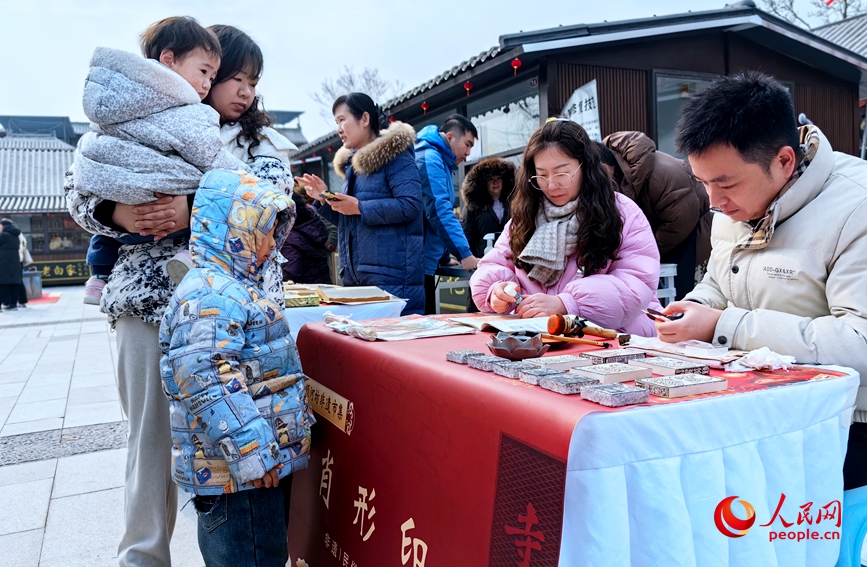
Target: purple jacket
[612,298]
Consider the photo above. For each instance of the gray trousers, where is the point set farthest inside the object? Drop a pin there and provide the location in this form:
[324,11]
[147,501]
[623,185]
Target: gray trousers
[150,495]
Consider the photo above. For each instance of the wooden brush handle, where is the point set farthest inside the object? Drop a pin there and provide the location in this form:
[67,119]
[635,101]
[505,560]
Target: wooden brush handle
[574,340]
[597,332]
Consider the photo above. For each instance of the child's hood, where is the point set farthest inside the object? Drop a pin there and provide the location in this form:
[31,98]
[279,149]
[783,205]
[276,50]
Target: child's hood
[232,214]
[123,86]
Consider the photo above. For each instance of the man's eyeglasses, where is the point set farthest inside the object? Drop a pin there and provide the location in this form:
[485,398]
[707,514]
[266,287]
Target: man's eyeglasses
[557,180]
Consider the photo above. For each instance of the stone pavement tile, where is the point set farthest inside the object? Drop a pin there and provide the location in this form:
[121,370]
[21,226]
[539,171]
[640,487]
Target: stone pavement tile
[24,505]
[22,549]
[34,411]
[27,472]
[6,405]
[93,327]
[84,530]
[94,377]
[14,377]
[31,426]
[90,414]
[92,395]
[89,472]
[40,378]
[12,390]
[43,392]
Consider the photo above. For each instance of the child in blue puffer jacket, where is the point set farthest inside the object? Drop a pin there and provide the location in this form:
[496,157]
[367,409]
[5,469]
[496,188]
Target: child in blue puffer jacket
[240,418]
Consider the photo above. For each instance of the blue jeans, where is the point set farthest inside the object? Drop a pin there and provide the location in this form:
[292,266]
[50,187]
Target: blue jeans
[245,529]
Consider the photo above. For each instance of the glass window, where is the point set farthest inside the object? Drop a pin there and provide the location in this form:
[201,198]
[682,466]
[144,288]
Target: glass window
[505,119]
[671,94]
[64,234]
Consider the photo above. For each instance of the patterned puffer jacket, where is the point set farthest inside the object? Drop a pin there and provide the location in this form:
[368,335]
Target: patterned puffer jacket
[229,365]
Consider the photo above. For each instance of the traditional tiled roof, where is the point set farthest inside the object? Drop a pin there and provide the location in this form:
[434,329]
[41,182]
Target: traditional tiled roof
[33,165]
[33,204]
[441,78]
[81,128]
[850,34]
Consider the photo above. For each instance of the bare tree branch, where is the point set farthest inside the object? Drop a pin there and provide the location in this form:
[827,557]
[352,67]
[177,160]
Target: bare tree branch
[786,10]
[368,81]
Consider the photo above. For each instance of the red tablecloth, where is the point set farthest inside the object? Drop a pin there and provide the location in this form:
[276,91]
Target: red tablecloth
[432,462]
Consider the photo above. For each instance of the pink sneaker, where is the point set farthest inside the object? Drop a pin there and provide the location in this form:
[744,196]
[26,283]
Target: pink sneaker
[179,265]
[93,290]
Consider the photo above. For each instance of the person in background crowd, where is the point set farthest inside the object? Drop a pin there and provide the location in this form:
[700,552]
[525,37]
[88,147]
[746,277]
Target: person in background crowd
[379,211]
[573,245]
[306,250]
[438,152]
[487,191]
[787,265]
[11,279]
[675,204]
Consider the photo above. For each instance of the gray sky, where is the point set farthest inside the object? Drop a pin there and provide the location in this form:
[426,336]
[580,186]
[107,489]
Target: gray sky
[45,45]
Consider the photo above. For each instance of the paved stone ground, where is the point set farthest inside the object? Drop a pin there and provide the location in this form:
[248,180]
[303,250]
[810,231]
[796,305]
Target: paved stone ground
[63,441]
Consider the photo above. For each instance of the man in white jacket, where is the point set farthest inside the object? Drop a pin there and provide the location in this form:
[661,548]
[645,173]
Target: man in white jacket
[789,258]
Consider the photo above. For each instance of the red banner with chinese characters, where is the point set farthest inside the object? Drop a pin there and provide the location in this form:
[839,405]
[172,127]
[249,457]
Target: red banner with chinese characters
[418,461]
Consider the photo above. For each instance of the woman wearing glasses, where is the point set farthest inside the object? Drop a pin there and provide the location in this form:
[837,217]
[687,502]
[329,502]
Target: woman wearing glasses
[573,246]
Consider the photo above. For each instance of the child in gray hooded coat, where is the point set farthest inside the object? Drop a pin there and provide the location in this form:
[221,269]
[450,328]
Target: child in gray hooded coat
[151,135]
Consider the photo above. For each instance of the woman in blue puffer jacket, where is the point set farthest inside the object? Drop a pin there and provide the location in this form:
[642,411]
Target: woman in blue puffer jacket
[379,211]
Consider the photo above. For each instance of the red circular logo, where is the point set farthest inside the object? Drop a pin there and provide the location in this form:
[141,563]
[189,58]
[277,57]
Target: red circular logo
[730,525]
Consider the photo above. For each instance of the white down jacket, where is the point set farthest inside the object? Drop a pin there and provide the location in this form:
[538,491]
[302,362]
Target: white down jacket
[804,294]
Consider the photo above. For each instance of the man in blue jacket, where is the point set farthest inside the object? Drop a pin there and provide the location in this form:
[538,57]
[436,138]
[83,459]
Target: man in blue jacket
[438,151]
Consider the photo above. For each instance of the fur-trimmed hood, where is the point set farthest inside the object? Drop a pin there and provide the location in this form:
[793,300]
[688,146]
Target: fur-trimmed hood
[475,186]
[398,138]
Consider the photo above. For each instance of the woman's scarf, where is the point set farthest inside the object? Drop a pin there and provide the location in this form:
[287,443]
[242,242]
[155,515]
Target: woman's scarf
[553,242]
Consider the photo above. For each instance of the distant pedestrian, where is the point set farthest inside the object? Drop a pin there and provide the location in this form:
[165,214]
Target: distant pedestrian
[10,265]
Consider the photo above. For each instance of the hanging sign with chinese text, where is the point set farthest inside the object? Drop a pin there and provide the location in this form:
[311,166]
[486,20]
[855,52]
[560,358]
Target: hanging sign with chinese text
[583,108]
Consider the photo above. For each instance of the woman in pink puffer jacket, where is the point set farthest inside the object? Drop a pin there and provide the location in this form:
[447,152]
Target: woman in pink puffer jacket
[573,245]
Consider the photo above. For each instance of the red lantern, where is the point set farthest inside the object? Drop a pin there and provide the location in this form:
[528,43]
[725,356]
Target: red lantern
[314,155]
[468,86]
[516,64]
[425,106]
[330,149]
[303,161]
[392,119]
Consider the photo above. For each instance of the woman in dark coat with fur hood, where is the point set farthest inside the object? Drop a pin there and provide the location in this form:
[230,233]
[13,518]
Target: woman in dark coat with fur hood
[379,210]
[487,190]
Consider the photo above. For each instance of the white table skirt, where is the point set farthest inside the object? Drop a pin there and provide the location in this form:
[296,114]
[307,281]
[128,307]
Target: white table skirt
[642,484]
[296,317]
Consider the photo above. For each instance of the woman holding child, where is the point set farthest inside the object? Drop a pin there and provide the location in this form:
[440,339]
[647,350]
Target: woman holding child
[379,212]
[573,245]
[139,287]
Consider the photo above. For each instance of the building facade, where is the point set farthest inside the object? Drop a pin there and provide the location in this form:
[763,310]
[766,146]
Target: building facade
[641,71]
